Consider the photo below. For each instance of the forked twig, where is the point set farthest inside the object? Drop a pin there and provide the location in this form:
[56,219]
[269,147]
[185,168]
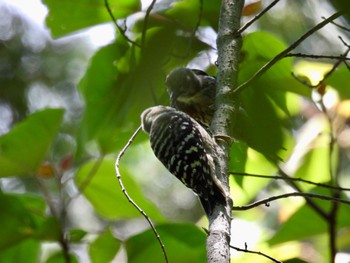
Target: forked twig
[121,153]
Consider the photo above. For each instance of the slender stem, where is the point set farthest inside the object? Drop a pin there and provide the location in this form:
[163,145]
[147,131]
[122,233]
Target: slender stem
[288,178]
[267,201]
[255,18]
[120,181]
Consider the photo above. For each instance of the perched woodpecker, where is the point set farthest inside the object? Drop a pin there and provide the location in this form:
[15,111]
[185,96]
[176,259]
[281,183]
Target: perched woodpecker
[187,150]
[193,92]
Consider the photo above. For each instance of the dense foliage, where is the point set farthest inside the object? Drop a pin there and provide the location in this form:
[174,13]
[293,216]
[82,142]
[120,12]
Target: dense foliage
[65,115]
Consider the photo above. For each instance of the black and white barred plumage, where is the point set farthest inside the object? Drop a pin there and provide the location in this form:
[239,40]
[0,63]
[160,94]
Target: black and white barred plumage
[193,92]
[186,150]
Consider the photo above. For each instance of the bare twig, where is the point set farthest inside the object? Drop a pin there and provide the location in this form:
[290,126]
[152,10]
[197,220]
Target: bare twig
[121,153]
[266,201]
[145,23]
[62,240]
[255,252]
[337,25]
[282,54]
[335,66]
[301,55]
[193,33]
[255,18]
[296,179]
[121,30]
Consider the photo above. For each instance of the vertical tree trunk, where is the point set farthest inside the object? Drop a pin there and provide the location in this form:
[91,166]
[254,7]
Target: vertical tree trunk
[229,45]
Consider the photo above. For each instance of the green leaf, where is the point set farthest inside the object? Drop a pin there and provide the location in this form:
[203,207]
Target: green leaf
[340,81]
[26,251]
[305,223]
[76,235]
[263,125]
[60,257]
[85,13]
[184,243]
[122,81]
[104,248]
[257,50]
[22,217]
[310,157]
[105,194]
[25,146]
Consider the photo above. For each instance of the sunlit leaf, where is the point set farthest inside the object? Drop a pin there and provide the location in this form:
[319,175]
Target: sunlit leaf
[313,71]
[25,146]
[85,13]
[103,191]
[183,243]
[310,157]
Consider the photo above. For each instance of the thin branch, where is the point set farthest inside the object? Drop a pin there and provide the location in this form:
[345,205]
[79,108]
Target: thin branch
[145,23]
[296,179]
[121,30]
[301,55]
[193,33]
[335,66]
[282,54]
[266,201]
[61,239]
[337,25]
[255,18]
[121,153]
[255,252]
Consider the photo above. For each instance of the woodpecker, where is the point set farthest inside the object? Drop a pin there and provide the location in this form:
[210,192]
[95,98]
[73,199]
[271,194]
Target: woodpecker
[187,150]
[193,92]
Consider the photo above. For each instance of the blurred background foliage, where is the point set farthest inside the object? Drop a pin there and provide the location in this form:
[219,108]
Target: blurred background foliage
[68,106]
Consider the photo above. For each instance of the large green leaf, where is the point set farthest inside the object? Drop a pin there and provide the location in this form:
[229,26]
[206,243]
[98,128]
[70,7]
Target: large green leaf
[105,194]
[122,81]
[263,125]
[104,248]
[305,222]
[26,251]
[25,146]
[68,16]
[22,217]
[183,243]
[267,105]
[257,50]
